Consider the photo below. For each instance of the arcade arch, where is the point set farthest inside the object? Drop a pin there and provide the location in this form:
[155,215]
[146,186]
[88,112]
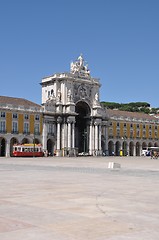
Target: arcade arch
[82,126]
[50,147]
[2,147]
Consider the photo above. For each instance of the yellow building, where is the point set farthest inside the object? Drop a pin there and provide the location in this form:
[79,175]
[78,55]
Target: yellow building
[20,122]
[131,132]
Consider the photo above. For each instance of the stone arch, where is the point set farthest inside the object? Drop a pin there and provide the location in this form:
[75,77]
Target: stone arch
[137,149]
[117,148]
[25,140]
[150,144]
[110,148]
[125,147]
[2,147]
[50,147]
[144,145]
[156,144]
[131,148]
[12,142]
[82,126]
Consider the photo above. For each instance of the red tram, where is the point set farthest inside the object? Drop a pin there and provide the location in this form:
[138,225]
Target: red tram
[27,150]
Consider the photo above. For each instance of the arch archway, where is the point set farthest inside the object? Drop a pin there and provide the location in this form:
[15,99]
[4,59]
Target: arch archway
[2,147]
[131,149]
[12,142]
[110,148]
[50,147]
[82,126]
[117,148]
[137,149]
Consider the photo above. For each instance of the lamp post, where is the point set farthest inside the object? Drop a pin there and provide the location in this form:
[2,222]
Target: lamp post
[85,140]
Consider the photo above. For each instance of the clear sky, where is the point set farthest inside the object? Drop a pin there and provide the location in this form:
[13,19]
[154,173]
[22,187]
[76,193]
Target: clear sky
[118,38]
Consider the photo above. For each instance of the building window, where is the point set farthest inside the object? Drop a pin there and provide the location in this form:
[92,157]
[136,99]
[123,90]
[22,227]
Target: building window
[144,134]
[37,129]
[26,116]
[131,125]
[144,126]
[150,127]
[3,114]
[137,125]
[2,126]
[131,134]
[118,124]
[26,127]
[110,124]
[15,115]
[15,127]
[138,134]
[155,127]
[124,124]
[118,133]
[37,117]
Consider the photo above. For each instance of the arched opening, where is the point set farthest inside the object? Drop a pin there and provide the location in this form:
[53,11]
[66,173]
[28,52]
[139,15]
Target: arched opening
[124,147]
[131,149]
[82,127]
[12,142]
[137,149]
[50,147]
[156,144]
[144,146]
[110,148]
[117,148]
[25,140]
[2,147]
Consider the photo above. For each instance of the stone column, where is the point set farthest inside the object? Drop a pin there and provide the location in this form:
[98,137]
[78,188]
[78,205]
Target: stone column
[96,138]
[58,150]
[90,139]
[45,135]
[8,148]
[69,134]
[73,135]
[99,142]
[93,139]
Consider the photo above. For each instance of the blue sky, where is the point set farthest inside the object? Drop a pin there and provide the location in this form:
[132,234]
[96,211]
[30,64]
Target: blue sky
[118,38]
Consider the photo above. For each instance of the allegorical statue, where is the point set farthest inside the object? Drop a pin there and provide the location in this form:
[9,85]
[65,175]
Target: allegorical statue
[79,67]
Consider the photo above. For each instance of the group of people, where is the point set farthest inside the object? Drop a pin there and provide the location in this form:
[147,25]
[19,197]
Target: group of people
[154,155]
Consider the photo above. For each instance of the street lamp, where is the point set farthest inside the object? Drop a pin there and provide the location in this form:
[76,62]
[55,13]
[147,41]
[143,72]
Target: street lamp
[85,140]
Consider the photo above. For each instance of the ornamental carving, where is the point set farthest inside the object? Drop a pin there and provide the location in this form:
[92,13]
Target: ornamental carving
[79,67]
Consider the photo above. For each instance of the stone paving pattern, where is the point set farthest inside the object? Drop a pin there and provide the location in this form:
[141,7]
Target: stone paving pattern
[79,198]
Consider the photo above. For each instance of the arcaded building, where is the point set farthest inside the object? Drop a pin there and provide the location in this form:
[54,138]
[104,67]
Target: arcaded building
[71,121]
[20,122]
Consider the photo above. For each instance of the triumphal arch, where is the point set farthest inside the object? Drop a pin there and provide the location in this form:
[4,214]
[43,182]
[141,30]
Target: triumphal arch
[74,121]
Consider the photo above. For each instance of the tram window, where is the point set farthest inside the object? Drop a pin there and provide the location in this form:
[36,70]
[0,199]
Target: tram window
[22,149]
[19,149]
[15,148]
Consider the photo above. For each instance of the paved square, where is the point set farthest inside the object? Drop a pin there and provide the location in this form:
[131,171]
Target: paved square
[79,198]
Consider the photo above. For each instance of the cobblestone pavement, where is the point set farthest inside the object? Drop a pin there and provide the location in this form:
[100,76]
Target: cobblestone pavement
[79,198]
